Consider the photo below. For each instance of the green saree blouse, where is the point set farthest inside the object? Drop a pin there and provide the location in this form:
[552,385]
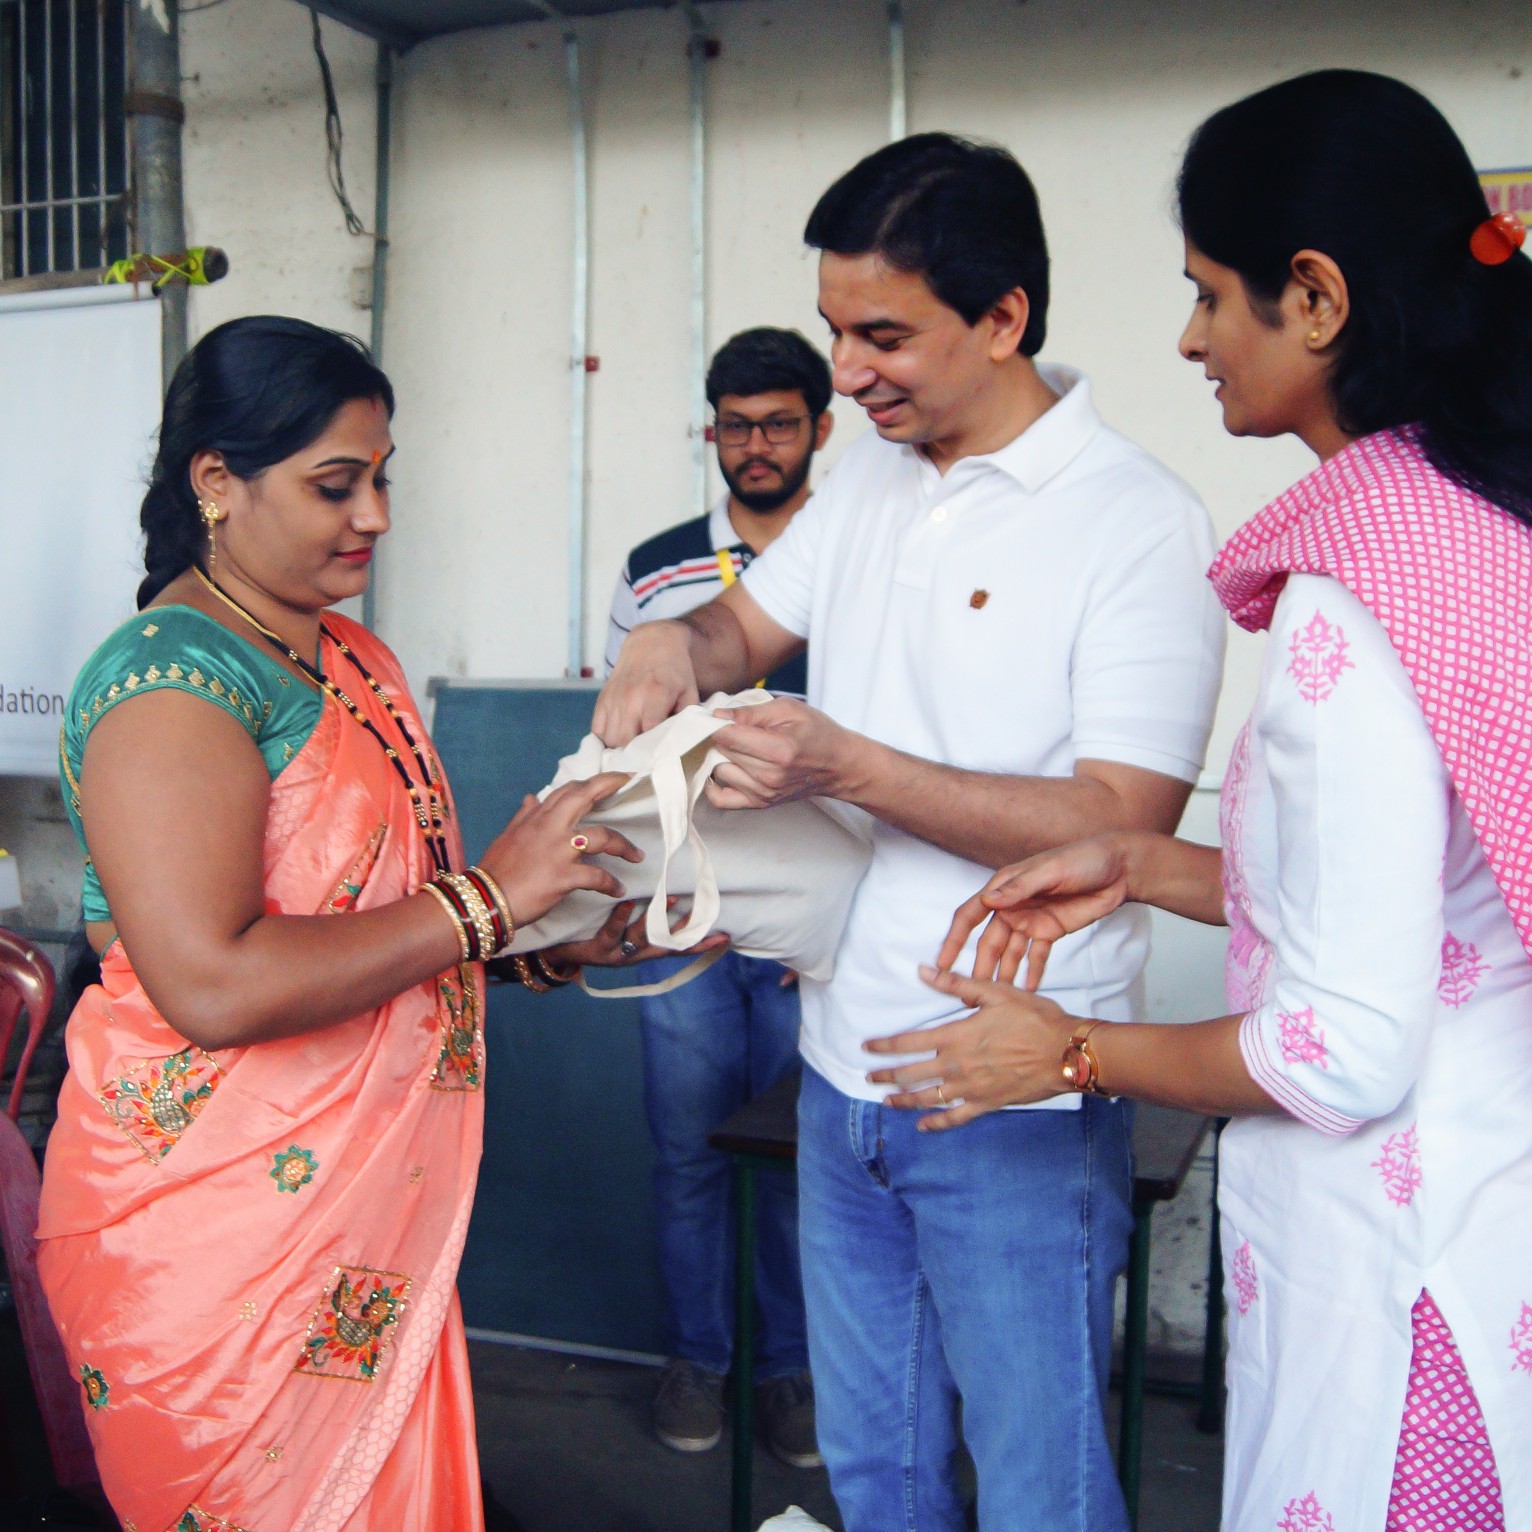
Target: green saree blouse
[184,649]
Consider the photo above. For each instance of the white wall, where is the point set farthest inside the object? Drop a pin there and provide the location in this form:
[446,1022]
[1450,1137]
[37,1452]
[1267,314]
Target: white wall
[254,162]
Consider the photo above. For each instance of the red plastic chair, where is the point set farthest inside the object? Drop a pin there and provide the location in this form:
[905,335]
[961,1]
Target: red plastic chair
[27,983]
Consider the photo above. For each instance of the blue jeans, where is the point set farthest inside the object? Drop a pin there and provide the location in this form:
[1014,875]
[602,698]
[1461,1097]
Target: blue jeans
[975,1265]
[709,1047]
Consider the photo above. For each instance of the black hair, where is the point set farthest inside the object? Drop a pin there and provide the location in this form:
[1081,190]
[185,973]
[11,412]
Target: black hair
[763,361]
[257,390]
[960,214]
[1366,170]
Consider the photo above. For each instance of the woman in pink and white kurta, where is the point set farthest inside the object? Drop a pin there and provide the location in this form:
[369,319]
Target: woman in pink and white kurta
[1386,996]
[1376,870]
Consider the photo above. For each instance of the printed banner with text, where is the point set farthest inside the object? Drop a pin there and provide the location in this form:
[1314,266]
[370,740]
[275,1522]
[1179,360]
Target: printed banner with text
[79,402]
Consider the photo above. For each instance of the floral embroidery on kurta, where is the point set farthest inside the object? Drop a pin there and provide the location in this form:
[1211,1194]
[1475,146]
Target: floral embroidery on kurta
[1247,956]
[293,1168]
[156,1102]
[1243,1274]
[1305,1514]
[1398,1163]
[1302,1039]
[1461,971]
[353,1324]
[1318,656]
[458,1063]
[346,891]
[97,1390]
[1521,1341]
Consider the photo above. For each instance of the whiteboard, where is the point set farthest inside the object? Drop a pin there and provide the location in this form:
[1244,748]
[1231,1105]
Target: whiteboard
[79,406]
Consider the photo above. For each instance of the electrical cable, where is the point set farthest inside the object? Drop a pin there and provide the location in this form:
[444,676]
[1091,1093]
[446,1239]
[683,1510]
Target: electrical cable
[335,137]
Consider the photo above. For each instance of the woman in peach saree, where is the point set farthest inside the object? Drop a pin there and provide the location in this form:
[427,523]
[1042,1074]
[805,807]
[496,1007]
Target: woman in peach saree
[258,1189]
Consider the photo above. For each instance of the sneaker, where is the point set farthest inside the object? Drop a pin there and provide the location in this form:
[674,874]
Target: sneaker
[688,1407]
[785,1408]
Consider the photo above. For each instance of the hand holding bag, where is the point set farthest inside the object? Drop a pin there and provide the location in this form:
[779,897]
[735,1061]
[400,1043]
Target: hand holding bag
[780,881]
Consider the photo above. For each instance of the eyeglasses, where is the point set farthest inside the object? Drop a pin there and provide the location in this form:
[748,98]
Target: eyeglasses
[779,430]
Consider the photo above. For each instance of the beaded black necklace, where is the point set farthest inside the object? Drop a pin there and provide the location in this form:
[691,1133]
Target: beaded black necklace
[429,806]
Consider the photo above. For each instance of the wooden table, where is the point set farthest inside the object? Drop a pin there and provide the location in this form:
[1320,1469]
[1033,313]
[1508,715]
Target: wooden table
[764,1132]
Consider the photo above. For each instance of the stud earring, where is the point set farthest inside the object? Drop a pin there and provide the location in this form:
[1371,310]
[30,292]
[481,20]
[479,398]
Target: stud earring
[1314,337]
[211,516]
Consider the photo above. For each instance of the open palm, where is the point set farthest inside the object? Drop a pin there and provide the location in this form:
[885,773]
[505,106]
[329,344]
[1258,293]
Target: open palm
[1030,905]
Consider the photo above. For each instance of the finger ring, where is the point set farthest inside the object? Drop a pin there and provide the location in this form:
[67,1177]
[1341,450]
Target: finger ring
[579,842]
[628,947]
[941,1092]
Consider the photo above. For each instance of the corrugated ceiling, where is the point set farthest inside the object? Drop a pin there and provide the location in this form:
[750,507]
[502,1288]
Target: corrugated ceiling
[403,23]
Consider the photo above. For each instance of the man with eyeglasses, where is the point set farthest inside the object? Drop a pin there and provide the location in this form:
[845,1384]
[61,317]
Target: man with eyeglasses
[729,1034]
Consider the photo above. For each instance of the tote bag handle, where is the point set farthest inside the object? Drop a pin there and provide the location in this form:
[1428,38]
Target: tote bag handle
[698,965]
[675,799]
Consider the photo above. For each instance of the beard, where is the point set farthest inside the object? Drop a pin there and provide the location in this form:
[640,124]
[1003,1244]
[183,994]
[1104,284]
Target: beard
[765,501]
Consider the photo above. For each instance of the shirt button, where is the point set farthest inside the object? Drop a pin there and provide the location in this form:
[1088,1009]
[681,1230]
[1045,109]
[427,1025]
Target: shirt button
[939,514]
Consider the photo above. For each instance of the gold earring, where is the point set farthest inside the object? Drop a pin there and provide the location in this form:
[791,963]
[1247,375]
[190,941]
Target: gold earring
[211,516]
[1314,337]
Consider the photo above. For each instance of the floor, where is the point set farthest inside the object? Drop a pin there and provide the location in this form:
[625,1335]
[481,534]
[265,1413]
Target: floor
[565,1447]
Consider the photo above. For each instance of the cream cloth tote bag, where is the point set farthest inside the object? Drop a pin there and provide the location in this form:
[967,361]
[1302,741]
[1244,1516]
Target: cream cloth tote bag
[779,880]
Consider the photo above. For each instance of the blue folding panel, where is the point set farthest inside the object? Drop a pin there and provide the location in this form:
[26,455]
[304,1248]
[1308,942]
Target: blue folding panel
[562,1241]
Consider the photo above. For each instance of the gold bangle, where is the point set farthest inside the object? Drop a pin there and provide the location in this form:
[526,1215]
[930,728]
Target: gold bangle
[1081,1068]
[555,978]
[452,915]
[524,973]
[501,903]
[478,910]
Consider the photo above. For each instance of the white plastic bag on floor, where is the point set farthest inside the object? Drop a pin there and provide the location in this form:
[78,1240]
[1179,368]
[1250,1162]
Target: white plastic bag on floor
[779,880]
[793,1519]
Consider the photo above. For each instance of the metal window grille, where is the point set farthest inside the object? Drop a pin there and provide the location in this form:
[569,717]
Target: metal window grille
[64,155]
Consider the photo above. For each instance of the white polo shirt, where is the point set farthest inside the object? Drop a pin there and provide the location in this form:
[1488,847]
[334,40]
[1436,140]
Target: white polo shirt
[1033,607]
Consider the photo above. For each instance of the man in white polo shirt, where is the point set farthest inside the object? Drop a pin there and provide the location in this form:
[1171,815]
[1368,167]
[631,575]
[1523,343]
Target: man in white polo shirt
[1013,646]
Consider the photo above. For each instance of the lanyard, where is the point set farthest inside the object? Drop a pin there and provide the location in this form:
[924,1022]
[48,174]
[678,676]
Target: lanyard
[727,575]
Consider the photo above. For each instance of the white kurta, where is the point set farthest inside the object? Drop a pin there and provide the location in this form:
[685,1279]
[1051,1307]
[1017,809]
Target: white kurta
[1389,1010]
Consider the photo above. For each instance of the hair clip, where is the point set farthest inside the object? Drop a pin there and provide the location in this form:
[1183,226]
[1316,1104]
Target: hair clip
[1497,239]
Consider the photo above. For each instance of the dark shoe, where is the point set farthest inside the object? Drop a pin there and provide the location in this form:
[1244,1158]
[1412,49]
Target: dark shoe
[688,1407]
[785,1408]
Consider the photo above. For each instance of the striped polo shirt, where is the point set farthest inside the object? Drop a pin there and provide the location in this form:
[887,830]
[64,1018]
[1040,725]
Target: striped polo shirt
[682,568]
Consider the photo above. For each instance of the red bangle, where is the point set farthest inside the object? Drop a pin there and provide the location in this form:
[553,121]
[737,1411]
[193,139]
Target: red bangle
[455,897]
[492,904]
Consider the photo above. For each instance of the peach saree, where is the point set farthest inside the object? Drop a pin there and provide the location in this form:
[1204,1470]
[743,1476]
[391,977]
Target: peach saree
[252,1255]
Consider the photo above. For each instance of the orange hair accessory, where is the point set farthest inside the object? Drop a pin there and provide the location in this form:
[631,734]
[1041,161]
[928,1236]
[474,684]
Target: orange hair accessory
[1497,239]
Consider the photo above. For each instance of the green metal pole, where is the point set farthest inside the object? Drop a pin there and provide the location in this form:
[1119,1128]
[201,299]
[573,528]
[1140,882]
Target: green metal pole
[1130,1441]
[741,1485]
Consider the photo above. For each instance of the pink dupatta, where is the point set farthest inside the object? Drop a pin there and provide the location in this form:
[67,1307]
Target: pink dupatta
[1448,574]
[252,1255]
